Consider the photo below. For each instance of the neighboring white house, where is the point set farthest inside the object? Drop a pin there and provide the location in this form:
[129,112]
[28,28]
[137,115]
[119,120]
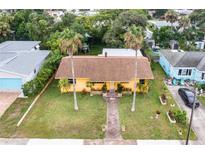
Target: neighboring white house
[19,66]
[56,14]
[19,46]
[120,52]
[162,23]
[184,11]
[199,44]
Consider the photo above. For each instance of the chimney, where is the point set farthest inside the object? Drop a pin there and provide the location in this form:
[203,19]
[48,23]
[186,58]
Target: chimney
[105,54]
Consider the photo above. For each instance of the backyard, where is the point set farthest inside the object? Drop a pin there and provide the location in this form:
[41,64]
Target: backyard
[142,124]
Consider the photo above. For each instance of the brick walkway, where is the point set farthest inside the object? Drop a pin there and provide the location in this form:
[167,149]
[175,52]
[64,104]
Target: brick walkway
[113,130]
[6,99]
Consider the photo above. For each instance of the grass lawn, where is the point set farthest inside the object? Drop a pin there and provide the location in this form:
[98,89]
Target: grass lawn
[53,116]
[140,124]
[95,49]
[11,117]
[202,100]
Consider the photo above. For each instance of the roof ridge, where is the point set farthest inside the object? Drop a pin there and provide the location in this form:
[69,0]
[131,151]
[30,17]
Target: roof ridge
[109,57]
[202,60]
[184,53]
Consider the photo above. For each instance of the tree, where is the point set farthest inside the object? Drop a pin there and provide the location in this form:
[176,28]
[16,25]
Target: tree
[133,39]
[158,13]
[114,36]
[39,27]
[5,26]
[163,36]
[70,42]
[21,17]
[184,22]
[198,18]
[171,16]
[202,28]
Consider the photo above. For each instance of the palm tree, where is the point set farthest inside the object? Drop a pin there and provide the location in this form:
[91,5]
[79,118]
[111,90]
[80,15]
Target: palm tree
[171,16]
[71,41]
[184,22]
[133,39]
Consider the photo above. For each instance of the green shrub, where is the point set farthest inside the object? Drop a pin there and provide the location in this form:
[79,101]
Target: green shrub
[104,88]
[203,86]
[180,116]
[34,86]
[119,88]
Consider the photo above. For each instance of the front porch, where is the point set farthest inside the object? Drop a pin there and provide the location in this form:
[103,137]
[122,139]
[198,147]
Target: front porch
[85,85]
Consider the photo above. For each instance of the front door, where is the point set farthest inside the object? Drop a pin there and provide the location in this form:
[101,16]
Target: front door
[112,85]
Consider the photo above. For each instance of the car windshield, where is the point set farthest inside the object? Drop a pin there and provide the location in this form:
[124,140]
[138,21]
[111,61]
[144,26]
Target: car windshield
[189,93]
[191,99]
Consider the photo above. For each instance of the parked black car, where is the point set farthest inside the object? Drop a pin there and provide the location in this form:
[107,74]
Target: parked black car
[188,97]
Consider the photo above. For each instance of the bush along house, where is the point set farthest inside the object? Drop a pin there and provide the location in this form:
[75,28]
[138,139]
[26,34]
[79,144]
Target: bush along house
[94,73]
[184,65]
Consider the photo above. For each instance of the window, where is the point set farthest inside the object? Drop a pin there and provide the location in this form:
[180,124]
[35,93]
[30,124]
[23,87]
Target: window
[180,72]
[142,81]
[202,76]
[71,81]
[185,72]
[34,71]
[98,82]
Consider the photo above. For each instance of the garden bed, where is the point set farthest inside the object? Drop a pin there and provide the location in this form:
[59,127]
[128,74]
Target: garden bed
[143,124]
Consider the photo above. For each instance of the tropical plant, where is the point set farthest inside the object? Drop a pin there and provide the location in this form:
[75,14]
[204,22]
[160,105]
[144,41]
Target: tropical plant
[133,39]
[115,35]
[171,16]
[70,42]
[119,88]
[104,88]
[180,116]
[63,84]
[184,22]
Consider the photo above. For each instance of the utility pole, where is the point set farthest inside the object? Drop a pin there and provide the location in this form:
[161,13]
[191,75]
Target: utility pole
[191,118]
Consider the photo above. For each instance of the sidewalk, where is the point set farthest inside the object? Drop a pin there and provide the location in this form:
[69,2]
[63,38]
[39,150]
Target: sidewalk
[26,141]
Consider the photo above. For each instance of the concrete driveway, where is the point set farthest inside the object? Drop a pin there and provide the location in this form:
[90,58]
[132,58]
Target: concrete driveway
[198,123]
[6,99]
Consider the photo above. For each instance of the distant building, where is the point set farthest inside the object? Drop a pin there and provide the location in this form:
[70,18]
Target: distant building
[162,23]
[184,11]
[184,65]
[56,14]
[115,52]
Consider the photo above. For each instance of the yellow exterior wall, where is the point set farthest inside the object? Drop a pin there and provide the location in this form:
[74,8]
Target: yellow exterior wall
[81,84]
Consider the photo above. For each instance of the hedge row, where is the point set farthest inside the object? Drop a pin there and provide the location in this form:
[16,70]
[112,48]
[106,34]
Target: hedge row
[34,86]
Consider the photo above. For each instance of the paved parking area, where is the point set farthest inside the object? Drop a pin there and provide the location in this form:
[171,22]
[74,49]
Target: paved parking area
[6,99]
[198,124]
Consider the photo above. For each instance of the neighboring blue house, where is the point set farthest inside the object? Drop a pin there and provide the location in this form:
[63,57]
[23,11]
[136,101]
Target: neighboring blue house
[184,65]
[20,62]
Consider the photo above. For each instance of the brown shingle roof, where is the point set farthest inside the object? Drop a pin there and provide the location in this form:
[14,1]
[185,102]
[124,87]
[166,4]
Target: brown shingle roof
[105,68]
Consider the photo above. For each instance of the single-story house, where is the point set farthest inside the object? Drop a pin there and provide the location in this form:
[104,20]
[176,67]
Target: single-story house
[20,65]
[120,52]
[100,70]
[184,65]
